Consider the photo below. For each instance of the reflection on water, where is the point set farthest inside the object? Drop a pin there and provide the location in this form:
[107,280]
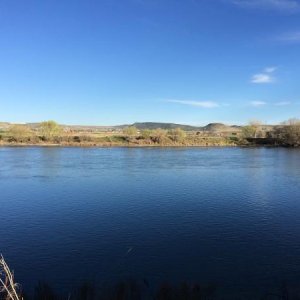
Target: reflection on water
[228,216]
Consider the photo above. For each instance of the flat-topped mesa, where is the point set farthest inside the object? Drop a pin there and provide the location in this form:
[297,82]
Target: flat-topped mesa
[214,127]
[156,125]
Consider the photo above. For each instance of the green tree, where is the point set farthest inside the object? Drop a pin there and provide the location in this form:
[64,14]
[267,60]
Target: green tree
[49,129]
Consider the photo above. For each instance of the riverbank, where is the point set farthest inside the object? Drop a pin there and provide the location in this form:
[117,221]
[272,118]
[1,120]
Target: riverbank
[49,134]
[44,145]
[205,142]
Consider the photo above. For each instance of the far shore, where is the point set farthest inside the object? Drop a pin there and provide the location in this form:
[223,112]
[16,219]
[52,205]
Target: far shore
[134,145]
[51,134]
[113,145]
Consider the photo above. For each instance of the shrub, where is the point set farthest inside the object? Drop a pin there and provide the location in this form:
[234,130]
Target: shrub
[130,131]
[49,129]
[146,134]
[19,133]
[159,136]
[177,135]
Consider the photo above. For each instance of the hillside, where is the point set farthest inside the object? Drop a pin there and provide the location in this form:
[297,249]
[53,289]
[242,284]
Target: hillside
[212,127]
[219,127]
[155,125]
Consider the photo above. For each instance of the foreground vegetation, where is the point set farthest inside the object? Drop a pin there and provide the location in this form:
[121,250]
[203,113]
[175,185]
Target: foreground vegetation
[10,290]
[51,133]
[131,290]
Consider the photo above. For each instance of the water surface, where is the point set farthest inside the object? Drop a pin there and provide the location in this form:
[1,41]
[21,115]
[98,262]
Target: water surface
[227,216]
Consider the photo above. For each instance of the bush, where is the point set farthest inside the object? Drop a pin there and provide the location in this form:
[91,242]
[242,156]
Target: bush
[76,139]
[49,129]
[177,135]
[19,133]
[248,132]
[130,131]
[146,134]
[159,136]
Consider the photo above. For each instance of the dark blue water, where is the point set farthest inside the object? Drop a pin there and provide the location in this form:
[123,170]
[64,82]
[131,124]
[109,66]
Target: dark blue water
[226,216]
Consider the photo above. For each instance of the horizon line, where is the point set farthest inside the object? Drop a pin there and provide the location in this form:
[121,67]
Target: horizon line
[141,122]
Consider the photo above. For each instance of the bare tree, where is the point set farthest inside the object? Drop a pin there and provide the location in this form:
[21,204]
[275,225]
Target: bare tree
[289,133]
[255,124]
[251,130]
[292,121]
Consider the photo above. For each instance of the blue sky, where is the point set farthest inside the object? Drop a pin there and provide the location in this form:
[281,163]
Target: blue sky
[111,62]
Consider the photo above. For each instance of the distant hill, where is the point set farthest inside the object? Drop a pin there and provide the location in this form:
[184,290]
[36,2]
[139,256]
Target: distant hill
[76,127]
[212,127]
[217,127]
[155,125]
[33,125]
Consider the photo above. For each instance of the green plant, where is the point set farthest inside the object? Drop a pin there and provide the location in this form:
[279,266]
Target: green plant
[130,131]
[49,129]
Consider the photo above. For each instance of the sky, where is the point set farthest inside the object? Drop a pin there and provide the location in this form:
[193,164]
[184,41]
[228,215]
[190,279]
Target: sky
[109,62]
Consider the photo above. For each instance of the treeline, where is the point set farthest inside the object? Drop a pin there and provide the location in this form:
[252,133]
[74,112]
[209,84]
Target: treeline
[287,134]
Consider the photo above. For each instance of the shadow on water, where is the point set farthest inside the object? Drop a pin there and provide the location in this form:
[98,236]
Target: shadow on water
[127,289]
[139,290]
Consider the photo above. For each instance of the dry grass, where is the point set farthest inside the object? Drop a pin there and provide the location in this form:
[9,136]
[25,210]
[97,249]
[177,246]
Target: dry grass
[8,287]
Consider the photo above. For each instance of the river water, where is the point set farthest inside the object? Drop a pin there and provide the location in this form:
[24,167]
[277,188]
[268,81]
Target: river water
[227,216]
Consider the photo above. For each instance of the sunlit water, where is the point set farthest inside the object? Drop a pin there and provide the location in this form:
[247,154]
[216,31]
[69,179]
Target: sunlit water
[225,216]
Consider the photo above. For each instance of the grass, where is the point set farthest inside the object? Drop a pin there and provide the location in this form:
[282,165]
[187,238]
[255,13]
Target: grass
[109,139]
[8,287]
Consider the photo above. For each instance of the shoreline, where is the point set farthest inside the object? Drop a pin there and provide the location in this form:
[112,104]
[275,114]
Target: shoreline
[68,145]
[114,145]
